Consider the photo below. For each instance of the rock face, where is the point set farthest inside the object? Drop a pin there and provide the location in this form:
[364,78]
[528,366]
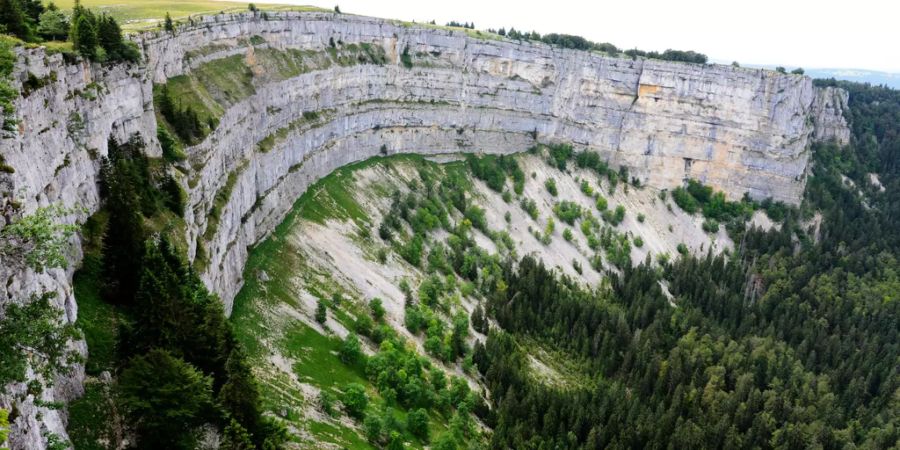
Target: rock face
[63,131]
[738,130]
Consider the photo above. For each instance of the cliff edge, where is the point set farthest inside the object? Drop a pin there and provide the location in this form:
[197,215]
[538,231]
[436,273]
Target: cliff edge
[319,90]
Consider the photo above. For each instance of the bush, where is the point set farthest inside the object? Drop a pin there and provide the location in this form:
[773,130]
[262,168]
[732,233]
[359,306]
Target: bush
[350,351]
[417,424]
[567,211]
[641,217]
[685,200]
[377,309]
[530,207]
[550,184]
[355,400]
[321,311]
[638,242]
[710,226]
[586,188]
[559,154]
[682,249]
[615,218]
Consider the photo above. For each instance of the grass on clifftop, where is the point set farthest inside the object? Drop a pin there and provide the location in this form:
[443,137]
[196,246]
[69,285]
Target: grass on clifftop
[137,15]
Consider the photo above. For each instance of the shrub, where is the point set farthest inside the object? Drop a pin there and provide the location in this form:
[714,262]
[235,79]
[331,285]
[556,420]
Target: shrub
[641,217]
[355,400]
[377,309]
[321,311]
[662,258]
[550,184]
[567,234]
[586,188]
[711,226]
[616,217]
[567,211]
[638,242]
[685,200]
[682,249]
[406,58]
[530,207]
[559,154]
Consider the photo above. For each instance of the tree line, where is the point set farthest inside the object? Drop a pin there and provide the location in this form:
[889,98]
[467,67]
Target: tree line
[177,361]
[95,37]
[790,341]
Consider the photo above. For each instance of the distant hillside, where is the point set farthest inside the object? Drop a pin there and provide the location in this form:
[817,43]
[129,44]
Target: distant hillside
[858,75]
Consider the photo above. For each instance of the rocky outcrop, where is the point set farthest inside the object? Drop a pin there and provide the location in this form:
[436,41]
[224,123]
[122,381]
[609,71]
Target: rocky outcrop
[739,130]
[828,110]
[65,120]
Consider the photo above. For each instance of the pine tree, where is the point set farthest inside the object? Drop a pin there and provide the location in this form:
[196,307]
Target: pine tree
[239,395]
[123,243]
[236,437]
[169,25]
[15,19]
[164,397]
[109,36]
[84,35]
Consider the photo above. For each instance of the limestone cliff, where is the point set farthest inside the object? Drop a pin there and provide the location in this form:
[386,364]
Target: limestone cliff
[738,130]
[439,90]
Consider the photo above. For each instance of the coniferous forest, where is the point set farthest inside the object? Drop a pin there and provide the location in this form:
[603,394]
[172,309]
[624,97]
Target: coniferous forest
[791,342]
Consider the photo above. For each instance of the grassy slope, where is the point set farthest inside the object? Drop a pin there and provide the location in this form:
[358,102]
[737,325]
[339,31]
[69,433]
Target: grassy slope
[258,323]
[144,14]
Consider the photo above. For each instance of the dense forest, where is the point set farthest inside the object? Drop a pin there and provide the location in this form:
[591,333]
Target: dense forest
[177,363]
[790,342]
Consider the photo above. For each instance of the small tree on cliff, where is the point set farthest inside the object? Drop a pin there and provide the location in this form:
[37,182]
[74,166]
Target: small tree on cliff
[169,25]
[84,36]
[14,19]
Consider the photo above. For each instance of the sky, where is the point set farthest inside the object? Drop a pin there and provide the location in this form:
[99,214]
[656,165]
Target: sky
[862,34]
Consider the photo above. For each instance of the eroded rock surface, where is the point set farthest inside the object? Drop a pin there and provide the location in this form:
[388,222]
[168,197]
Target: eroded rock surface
[738,130]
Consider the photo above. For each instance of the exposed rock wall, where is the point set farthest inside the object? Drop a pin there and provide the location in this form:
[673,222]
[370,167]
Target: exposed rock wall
[63,131]
[739,130]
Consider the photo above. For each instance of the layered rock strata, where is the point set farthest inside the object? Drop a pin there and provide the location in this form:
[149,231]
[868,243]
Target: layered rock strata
[742,131]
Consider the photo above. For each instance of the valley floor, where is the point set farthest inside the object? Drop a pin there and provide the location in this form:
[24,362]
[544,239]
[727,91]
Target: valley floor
[329,248]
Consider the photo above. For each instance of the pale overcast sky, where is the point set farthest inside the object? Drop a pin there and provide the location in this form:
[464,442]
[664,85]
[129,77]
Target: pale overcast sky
[862,34]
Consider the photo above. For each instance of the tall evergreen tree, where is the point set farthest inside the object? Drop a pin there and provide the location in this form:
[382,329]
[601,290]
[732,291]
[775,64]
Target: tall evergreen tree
[164,398]
[109,36]
[14,18]
[123,243]
[239,396]
[84,35]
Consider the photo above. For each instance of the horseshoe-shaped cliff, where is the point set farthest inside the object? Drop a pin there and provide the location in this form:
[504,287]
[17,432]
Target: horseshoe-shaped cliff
[316,91]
